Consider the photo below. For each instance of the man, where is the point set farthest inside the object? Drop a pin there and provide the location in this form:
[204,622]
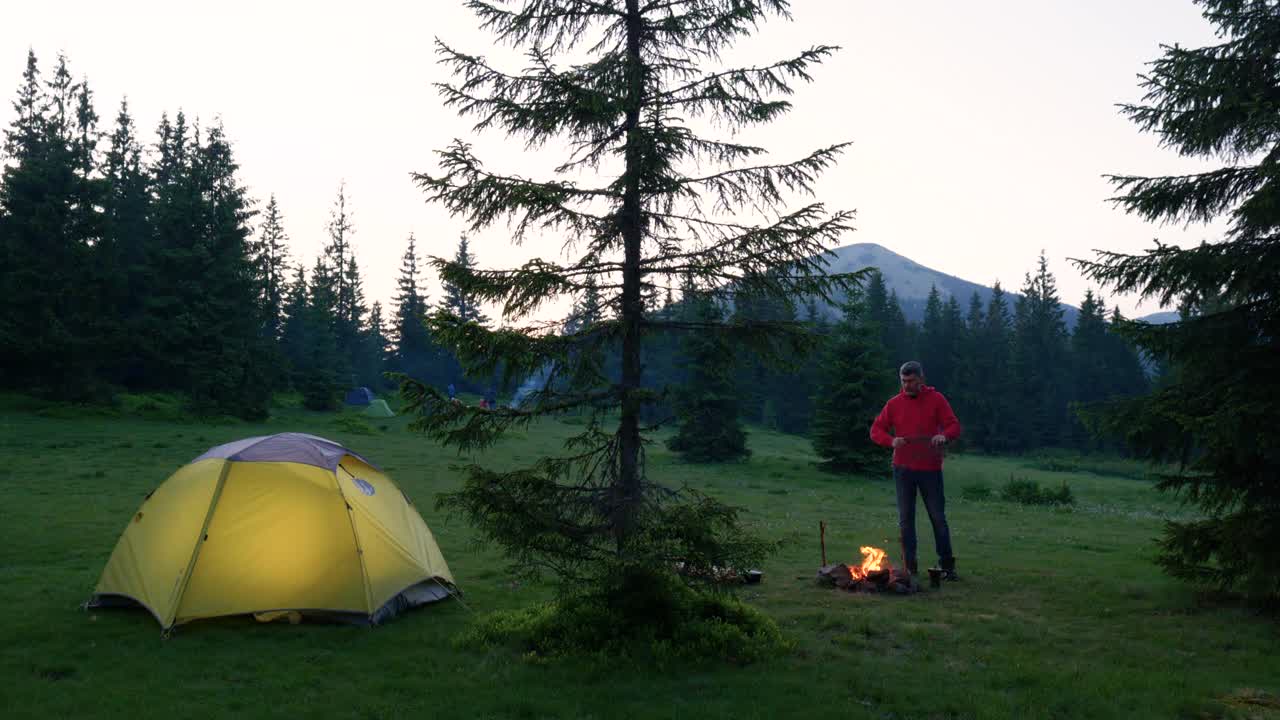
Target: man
[921,422]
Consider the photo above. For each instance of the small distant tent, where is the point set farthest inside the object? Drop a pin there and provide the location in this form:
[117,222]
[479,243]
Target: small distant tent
[283,524]
[359,396]
[379,409]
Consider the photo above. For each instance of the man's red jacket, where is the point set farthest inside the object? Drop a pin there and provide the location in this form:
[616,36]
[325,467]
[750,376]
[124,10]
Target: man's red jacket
[918,419]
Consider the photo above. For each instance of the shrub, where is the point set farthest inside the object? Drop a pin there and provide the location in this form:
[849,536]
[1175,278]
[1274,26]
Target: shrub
[154,406]
[1029,492]
[1060,496]
[353,424]
[641,614]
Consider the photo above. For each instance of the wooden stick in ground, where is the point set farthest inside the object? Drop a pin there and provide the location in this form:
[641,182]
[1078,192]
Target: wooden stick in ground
[822,539]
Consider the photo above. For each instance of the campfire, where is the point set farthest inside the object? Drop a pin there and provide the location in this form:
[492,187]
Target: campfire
[875,574]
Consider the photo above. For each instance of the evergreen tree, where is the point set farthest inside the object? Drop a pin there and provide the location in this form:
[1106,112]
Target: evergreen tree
[325,369]
[366,364]
[1090,379]
[1217,409]
[597,514]
[997,419]
[953,334]
[876,302]
[338,257]
[81,139]
[852,389]
[940,335]
[49,223]
[1040,344]
[708,428]
[767,389]
[934,350]
[124,259]
[883,312]
[967,380]
[355,310]
[170,323]
[589,310]
[456,299]
[228,358]
[798,412]
[270,257]
[665,371]
[413,352]
[900,336]
[378,347]
[295,331]
[1126,375]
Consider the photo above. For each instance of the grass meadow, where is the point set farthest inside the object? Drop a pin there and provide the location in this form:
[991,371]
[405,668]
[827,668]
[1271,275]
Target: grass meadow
[1061,613]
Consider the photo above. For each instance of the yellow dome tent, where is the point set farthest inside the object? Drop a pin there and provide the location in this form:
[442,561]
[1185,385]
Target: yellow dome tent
[287,523]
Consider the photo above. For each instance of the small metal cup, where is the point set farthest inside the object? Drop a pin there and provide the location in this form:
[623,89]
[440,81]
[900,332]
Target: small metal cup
[935,577]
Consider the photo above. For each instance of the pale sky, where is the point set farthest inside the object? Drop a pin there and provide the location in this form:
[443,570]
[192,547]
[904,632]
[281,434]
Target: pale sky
[981,129]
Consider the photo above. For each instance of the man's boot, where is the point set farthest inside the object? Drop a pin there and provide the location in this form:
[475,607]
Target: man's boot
[913,567]
[949,569]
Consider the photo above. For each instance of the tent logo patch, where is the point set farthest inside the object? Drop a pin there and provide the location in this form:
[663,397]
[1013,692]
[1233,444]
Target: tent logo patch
[364,485]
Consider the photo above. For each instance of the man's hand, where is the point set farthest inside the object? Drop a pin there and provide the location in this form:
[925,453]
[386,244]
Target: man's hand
[899,442]
[938,439]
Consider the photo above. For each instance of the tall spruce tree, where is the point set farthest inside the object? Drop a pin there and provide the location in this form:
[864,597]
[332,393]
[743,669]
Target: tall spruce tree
[707,405]
[366,363]
[413,352]
[994,426]
[1126,376]
[879,308]
[853,386]
[670,202]
[170,325]
[294,330]
[338,258]
[325,369]
[900,335]
[767,390]
[50,221]
[1039,345]
[355,308]
[377,349]
[935,345]
[270,257]
[966,380]
[228,368]
[124,254]
[455,299]
[1218,406]
[1090,376]
[953,334]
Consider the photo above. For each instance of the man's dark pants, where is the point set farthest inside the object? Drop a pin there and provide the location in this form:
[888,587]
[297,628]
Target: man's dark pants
[929,483]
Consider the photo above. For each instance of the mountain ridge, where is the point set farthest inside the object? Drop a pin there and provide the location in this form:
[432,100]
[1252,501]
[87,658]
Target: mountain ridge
[912,282]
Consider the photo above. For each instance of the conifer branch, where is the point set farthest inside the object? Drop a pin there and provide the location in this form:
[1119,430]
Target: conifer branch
[483,198]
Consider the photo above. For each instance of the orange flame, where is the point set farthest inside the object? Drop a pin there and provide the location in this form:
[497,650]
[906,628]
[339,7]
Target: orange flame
[872,557]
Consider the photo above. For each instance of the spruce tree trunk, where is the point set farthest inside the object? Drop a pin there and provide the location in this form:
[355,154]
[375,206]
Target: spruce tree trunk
[627,496]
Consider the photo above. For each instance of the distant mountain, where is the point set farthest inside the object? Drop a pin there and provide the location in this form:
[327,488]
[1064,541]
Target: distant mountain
[912,281]
[1160,318]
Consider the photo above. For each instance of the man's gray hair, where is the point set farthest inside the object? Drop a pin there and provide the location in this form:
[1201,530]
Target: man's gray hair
[911,367]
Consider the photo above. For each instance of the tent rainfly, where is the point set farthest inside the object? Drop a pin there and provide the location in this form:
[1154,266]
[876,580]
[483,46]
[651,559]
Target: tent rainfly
[379,409]
[359,396]
[282,524]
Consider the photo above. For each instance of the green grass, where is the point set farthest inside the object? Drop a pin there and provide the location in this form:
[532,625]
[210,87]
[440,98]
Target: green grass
[1061,613]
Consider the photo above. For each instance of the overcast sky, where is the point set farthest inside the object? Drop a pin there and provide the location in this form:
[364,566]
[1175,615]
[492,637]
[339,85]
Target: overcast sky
[981,129]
